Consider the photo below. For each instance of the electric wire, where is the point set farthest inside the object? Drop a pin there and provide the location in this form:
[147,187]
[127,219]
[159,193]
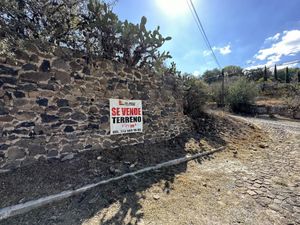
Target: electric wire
[202,31]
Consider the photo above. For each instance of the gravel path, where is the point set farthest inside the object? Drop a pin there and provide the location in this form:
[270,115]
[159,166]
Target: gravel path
[274,181]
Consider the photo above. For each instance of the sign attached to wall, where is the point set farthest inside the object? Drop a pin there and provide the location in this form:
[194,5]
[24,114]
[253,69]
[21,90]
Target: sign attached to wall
[126,116]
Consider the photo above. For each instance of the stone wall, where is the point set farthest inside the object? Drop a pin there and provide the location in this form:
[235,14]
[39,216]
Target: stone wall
[55,106]
[282,110]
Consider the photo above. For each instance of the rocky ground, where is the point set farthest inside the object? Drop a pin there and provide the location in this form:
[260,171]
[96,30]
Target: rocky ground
[254,181]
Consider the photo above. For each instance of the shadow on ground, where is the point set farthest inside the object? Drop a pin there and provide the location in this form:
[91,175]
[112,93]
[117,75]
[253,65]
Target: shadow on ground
[47,178]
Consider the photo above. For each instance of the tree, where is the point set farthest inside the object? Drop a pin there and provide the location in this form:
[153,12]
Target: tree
[275,73]
[255,74]
[210,76]
[265,74]
[233,70]
[287,75]
[46,20]
[281,74]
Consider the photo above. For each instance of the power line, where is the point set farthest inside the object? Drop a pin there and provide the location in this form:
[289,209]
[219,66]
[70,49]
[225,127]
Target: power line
[289,63]
[281,64]
[202,31]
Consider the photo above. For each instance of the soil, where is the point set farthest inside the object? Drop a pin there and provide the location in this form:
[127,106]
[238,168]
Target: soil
[271,102]
[203,191]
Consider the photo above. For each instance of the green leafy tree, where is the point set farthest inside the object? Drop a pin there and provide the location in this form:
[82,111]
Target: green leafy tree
[210,76]
[233,70]
[255,74]
[46,20]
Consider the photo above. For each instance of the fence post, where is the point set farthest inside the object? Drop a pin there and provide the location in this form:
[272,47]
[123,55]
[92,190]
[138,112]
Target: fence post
[287,76]
[275,73]
[298,76]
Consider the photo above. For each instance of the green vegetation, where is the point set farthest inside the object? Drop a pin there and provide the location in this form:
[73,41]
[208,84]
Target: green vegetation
[90,27]
[241,94]
[195,97]
[240,88]
[210,76]
[214,75]
[216,92]
[238,92]
[233,70]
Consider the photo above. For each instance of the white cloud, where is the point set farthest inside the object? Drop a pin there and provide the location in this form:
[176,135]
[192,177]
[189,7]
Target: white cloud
[292,64]
[222,50]
[273,38]
[271,67]
[289,45]
[254,67]
[196,73]
[225,50]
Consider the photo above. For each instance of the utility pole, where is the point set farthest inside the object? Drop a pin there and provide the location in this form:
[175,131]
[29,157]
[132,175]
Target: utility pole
[223,89]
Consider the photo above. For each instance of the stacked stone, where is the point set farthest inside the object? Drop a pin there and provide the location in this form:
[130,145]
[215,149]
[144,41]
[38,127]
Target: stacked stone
[53,105]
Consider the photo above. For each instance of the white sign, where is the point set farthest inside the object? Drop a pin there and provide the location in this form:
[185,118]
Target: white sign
[126,116]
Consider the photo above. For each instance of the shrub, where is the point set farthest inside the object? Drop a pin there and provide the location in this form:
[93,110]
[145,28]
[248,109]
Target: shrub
[216,92]
[196,95]
[216,89]
[241,94]
[294,105]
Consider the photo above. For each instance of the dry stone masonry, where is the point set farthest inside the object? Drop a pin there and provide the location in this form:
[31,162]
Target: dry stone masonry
[54,105]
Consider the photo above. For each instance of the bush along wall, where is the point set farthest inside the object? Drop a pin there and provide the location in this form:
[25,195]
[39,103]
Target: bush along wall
[53,105]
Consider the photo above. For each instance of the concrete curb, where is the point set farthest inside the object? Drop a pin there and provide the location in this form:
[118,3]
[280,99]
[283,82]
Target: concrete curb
[30,205]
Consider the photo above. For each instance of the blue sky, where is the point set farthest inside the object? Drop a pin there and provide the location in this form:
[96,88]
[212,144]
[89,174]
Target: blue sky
[247,33]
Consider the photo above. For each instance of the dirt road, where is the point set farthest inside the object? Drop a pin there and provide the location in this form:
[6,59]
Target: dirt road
[257,186]
[252,182]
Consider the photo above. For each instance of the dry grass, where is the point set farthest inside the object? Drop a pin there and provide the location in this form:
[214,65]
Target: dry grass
[271,102]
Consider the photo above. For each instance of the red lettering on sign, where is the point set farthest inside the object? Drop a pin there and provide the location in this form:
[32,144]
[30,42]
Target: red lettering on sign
[124,110]
[115,111]
[131,111]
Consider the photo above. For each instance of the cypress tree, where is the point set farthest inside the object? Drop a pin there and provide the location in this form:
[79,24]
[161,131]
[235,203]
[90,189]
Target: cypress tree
[265,74]
[287,76]
[275,73]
